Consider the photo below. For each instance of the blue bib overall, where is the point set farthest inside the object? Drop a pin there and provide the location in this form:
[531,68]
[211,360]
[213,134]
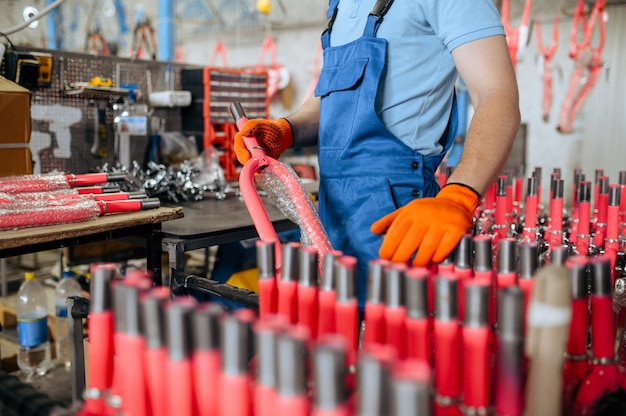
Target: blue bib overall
[365,171]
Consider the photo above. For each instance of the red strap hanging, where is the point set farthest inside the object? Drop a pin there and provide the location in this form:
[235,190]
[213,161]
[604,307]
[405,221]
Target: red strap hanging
[218,50]
[586,58]
[273,69]
[515,38]
[547,54]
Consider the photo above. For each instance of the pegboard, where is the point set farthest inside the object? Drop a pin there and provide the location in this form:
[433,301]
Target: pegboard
[64,125]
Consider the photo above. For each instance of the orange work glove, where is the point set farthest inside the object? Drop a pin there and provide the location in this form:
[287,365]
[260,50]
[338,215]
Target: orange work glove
[273,136]
[432,226]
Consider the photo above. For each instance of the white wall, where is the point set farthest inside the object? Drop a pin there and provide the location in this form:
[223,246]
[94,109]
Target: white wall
[596,142]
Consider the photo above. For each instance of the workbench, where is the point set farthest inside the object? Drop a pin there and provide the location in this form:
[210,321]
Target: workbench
[213,222]
[145,224]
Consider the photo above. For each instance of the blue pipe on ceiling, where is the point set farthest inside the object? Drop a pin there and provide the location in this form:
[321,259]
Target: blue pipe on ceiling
[166,32]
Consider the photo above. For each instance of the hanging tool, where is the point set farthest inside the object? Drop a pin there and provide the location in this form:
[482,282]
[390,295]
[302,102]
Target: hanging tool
[547,54]
[516,38]
[144,39]
[100,142]
[586,58]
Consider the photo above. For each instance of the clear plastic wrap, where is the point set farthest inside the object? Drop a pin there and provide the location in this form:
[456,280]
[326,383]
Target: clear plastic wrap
[32,216]
[34,183]
[282,185]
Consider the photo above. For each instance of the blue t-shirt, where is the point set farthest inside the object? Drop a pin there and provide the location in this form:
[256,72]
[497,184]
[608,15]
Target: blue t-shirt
[415,97]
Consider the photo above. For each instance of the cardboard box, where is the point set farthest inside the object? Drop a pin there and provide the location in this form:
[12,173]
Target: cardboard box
[16,162]
[14,129]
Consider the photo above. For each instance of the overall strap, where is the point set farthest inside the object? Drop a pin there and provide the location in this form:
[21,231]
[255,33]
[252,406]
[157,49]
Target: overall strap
[331,14]
[374,19]
[376,16]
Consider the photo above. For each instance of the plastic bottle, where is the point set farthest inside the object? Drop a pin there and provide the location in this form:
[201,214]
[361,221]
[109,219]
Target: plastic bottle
[33,354]
[66,287]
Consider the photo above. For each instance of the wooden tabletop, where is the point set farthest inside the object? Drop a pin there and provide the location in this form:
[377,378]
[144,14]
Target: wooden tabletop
[37,235]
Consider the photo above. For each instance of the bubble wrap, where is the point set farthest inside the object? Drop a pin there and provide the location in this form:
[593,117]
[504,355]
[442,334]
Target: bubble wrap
[282,185]
[32,216]
[33,183]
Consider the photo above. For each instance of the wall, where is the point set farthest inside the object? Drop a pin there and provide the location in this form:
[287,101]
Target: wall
[597,138]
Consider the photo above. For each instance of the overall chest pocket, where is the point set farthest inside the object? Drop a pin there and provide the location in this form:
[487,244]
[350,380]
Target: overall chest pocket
[338,88]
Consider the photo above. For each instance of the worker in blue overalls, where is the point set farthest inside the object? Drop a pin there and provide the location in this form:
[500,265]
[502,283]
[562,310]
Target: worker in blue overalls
[383,116]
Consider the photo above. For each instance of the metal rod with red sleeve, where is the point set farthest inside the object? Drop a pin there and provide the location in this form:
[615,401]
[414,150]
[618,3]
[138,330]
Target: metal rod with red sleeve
[129,350]
[288,283]
[206,358]
[395,309]
[528,265]
[507,263]
[555,230]
[410,389]
[268,289]
[308,292]
[603,376]
[622,201]
[266,331]
[500,226]
[178,370]
[484,274]
[576,357]
[509,196]
[330,397]
[538,175]
[447,347]
[235,381]
[374,368]
[463,269]
[518,190]
[477,339]
[346,308]
[611,241]
[327,294]
[155,354]
[375,303]
[291,383]
[579,177]
[418,323]
[97,189]
[529,231]
[100,339]
[599,173]
[509,359]
[489,202]
[55,181]
[583,236]
[602,213]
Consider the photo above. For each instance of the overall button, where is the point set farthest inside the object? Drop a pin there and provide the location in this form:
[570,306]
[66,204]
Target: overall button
[415,165]
[415,192]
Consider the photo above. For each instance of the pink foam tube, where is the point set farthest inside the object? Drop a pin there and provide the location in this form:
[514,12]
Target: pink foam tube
[131,356]
[583,236]
[374,323]
[155,374]
[100,350]
[288,300]
[475,372]
[307,308]
[326,319]
[179,387]
[611,242]
[530,222]
[447,365]
[417,337]
[206,370]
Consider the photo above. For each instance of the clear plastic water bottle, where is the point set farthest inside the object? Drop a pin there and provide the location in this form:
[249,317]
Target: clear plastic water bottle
[33,354]
[67,286]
